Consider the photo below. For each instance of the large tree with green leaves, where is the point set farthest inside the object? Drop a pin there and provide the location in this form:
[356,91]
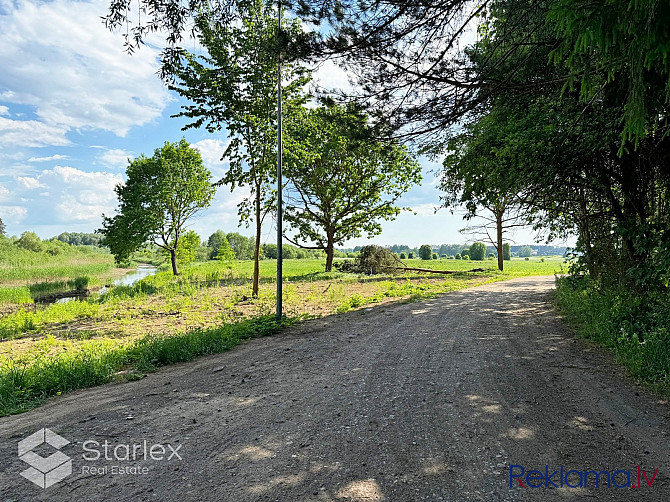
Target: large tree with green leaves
[344,179]
[159,196]
[234,86]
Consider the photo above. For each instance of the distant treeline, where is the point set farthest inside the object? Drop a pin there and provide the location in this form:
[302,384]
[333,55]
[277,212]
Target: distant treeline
[79,238]
[454,249]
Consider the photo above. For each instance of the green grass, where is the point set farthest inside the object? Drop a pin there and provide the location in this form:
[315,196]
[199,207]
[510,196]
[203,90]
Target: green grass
[26,275]
[241,271]
[636,327]
[26,382]
[56,365]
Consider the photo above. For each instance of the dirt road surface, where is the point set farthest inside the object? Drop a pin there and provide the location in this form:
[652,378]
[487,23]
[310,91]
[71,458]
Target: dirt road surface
[433,401]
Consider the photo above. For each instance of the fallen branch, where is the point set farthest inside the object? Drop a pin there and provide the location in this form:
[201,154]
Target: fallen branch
[431,271]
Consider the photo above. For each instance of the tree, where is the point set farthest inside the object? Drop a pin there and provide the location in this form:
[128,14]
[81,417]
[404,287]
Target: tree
[481,171]
[30,241]
[507,251]
[2,228]
[225,253]
[525,251]
[161,193]
[214,242]
[188,247]
[344,178]
[234,86]
[477,251]
[242,246]
[425,252]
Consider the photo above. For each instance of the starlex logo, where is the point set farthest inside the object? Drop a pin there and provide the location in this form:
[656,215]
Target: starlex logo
[559,478]
[48,471]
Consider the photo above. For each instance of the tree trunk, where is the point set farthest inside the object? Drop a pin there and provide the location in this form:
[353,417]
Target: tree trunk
[499,239]
[173,259]
[330,252]
[257,247]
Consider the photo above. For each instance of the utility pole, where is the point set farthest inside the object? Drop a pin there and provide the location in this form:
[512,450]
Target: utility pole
[280,258]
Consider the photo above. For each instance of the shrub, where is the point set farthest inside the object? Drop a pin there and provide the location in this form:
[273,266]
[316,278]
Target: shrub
[30,241]
[403,256]
[425,252]
[477,251]
[81,283]
[466,257]
[507,251]
[492,256]
[371,260]
[458,256]
[410,255]
[435,256]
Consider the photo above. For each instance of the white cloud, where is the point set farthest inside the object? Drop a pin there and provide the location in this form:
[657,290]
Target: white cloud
[116,158]
[11,215]
[75,196]
[331,76]
[30,133]
[211,151]
[48,159]
[4,193]
[59,58]
[424,209]
[4,110]
[29,182]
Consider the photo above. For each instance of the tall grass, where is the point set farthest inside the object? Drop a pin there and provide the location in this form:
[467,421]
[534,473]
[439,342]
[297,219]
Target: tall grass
[26,382]
[635,327]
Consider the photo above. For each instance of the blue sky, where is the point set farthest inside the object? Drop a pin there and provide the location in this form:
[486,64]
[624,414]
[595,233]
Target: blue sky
[74,107]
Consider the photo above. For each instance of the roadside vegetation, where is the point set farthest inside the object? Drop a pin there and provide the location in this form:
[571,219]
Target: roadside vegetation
[635,327]
[209,307]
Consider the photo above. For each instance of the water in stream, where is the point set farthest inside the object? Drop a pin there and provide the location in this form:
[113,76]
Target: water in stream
[129,279]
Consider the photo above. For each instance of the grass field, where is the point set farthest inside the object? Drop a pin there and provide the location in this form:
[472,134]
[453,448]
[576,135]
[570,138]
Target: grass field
[26,275]
[209,307]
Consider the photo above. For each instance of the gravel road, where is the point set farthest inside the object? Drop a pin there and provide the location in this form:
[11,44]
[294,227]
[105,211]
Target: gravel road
[433,400]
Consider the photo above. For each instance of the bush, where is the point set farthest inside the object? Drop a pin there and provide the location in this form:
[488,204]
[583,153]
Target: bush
[466,257]
[30,241]
[492,256]
[425,252]
[458,256]
[634,326]
[435,256]
[477,251]
[371,260]
[81,283]
[410,255]
[403,256]
[507,251]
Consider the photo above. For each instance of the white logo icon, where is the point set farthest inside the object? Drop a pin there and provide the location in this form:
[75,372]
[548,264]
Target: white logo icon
[45,472]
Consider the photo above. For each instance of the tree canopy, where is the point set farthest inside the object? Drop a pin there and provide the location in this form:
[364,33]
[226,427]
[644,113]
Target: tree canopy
[161,193]
[344,179]
[234,87]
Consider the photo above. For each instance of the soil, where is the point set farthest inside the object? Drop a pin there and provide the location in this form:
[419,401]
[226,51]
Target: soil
[432,400]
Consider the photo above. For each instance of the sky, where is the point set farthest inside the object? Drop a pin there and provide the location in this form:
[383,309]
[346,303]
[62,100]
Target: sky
[74,107]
